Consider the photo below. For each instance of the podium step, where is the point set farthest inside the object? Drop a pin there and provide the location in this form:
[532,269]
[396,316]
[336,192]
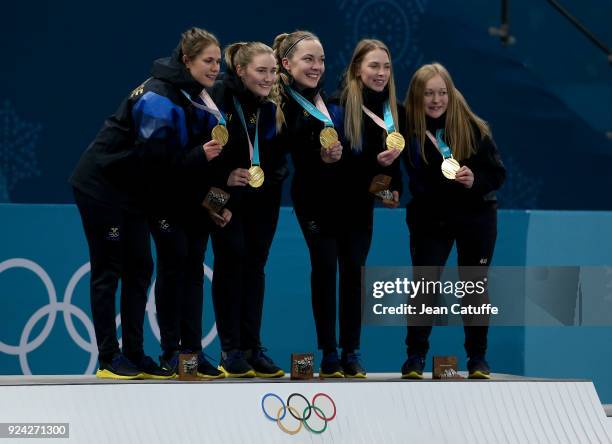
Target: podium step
[382,408]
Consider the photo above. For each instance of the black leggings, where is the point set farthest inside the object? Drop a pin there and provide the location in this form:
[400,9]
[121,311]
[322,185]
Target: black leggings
[431,240]
[179,288]
[348,251]
[119,249]
[241,251]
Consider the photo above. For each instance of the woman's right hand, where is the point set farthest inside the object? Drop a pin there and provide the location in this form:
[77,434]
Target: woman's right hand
[387,157]
[238,178]
[333,154]
[222,219]
[212,149]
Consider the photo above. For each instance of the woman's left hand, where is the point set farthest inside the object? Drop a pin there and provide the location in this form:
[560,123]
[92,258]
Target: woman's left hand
[387,157]
[465,176]
[392,203]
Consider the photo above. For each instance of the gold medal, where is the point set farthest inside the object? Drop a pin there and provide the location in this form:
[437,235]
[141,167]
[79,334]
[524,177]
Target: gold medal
[449,168]
[256,176]
[328,136]
[220,134]
[395,141]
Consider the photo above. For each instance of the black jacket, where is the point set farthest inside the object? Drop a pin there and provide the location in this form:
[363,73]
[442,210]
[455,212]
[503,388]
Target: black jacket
[431,189]
[316,189]
[149,153]
[360,166]
[235,153]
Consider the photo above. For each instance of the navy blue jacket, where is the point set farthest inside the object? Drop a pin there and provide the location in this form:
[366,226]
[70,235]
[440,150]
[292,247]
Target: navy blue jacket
[149,153]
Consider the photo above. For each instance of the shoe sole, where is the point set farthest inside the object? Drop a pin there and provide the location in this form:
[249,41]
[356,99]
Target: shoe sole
[356,376]
[248,374]
[107,374]
[278,374]
[331,375]
[412,375]
[159,377]
[208,377]
[479,375]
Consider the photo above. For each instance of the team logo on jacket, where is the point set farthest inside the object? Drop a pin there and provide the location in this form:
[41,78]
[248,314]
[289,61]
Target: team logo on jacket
[164,225]
[113,234]
[138,90]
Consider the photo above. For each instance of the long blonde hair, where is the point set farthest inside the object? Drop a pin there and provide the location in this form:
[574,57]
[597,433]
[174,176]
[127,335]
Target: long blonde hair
[459,131]
[284,46]
[241,54]
[352,95]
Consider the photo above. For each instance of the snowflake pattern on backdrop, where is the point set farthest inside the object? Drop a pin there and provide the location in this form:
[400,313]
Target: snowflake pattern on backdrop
[395,22]
[17,150]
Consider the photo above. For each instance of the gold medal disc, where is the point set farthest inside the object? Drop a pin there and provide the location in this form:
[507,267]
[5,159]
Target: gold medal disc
[450,167]
[395,141]
[328,136]
[257,176]
[220,134]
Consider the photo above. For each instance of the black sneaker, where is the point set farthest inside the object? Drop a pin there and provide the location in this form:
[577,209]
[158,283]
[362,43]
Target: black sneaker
[170,364]
[263,365]
[234,365]
[351,365]
[330,366]
[150,369]
[206,370]
[478,368]
[413,367]
[119,367]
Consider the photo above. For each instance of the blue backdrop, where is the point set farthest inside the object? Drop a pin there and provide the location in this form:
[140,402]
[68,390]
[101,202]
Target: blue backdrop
[67,65]
[44,256]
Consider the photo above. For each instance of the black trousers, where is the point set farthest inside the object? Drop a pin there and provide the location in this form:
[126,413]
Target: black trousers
[431,240]
[119,249]
[241,251]
[330,251]
[180,241]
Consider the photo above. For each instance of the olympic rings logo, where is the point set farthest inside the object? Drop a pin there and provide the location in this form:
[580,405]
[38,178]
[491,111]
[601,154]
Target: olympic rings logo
[302,419]
[53,307]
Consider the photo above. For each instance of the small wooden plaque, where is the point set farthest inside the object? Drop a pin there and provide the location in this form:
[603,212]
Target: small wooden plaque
[215,200]
[445,367]
[302,365]
[188,367]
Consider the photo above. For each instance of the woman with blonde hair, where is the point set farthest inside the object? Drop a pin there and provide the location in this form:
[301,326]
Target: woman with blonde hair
[371,127]
[454,169]
[251,168]
[311,135]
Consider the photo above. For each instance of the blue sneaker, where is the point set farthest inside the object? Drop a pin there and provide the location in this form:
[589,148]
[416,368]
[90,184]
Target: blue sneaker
[170,364]
[234,365]
[262,364]
[478,368]
[351,365]
[413,367]
[150,369]
[206,370]
[330,366]
[119,367]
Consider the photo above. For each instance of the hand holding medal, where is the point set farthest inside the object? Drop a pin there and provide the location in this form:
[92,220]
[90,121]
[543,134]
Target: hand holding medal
[387,157]
[465,176]
[212,149]
[331,154]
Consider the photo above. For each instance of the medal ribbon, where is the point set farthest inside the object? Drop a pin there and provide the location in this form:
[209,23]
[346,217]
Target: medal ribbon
[253,152]
[440,144]
[210,107]
[388,124]
[319,112]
